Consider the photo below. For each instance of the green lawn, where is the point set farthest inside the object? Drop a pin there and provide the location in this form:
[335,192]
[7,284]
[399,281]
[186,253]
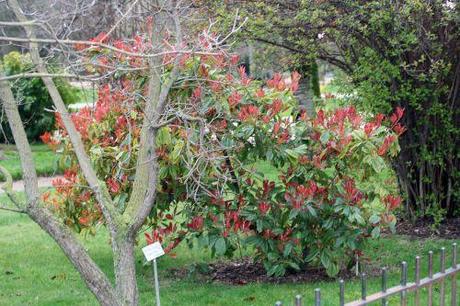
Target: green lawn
[45,161]
[33,271]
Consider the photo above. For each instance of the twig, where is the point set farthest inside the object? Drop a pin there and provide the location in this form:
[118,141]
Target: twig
[8,187]
[13,210]
[39,75]
[102,45]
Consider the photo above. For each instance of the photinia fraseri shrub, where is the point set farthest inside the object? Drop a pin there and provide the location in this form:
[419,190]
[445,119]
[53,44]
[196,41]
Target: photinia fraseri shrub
[189,154]
[239,164]
[323,191]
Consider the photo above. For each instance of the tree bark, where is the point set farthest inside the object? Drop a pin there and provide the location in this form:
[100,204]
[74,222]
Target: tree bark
[125,271]
[304,94]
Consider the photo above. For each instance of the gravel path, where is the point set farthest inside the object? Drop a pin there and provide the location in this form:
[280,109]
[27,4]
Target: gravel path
[43,182]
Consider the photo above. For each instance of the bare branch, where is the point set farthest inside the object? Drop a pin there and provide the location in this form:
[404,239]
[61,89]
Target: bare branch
[99,187]
[15,23]
[8,188]
[12,209]
[50,75]
[102,45]
[119,21]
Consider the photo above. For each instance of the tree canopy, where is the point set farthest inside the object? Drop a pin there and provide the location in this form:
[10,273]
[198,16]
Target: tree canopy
[395,53]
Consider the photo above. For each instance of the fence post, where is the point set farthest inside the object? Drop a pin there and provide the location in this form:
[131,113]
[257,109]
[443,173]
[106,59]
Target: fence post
[417,280]
[442,289]
[430,275]
[317,297]
[342,292]
[363,286]
[403,282]
[384,285]
[453,292]
[298,300]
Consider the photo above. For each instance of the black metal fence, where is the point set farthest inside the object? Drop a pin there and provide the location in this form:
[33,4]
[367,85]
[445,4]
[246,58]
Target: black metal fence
[404,287]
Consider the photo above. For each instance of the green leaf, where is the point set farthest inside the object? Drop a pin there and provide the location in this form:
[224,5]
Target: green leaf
[259,225]
[287,249]
[328,224]
[293,213]
[269,155]
[359,218]
[332,270]
[374,219]
[273,270]
[253,240]
[294,265]
[291,153]
[302,149]
[329,172]
[245,131]
[203,241]
[325,137]
[376,162]
[121,201]
[312,211]
[163,136]
[325,259]
[376,232]
[176,153]
[311,255]
[227,141]
[220,246]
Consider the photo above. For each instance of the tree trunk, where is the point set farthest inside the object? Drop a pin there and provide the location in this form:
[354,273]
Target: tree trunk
[125,271]
[304,94]
[427,165]
[315,79]
[90,273]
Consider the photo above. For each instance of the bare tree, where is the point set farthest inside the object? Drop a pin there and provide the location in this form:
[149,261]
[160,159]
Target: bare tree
[48,40]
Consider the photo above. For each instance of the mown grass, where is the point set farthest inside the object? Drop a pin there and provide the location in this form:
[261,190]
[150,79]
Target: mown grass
[87,95]
[45,161]
[34,271]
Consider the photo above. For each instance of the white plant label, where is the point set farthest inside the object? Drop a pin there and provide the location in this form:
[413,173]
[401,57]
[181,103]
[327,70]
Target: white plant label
[153,251]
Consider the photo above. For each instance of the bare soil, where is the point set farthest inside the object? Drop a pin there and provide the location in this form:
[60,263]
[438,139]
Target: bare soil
[244,271]
[423,228]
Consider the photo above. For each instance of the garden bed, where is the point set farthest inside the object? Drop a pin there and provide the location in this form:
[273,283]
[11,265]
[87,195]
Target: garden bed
[423,228]
[245,271]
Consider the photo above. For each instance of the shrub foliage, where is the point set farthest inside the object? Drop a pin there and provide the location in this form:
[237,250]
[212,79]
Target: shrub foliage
[35,104]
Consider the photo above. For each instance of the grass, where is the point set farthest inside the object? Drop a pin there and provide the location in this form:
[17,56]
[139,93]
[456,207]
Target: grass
[45,161]
[34,271]
[330,88]
[87,95]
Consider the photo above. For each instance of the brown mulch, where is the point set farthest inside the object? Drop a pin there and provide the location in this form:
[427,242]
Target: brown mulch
[245,271]
[423,228]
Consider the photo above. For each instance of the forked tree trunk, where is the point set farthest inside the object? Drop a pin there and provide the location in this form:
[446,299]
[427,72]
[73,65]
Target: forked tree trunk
[123,226]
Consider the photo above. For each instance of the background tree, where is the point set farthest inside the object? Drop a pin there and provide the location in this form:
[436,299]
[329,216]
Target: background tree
[396,53]
[35,104]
